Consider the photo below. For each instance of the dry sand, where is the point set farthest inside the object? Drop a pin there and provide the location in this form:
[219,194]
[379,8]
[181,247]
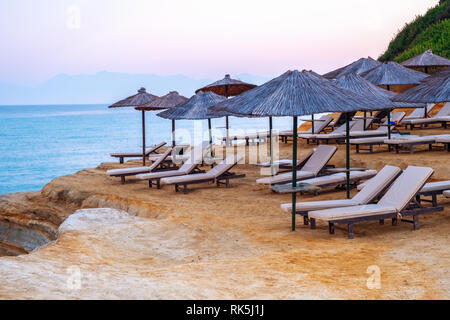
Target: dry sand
[222,243]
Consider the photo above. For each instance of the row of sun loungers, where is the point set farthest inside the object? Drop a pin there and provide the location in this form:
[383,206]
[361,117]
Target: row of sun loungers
[123,155]
[398,143]
[443,117]
[398,202]
[158,174]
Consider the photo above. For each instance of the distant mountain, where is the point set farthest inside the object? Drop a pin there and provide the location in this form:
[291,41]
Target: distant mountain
[430,31]
[104,87]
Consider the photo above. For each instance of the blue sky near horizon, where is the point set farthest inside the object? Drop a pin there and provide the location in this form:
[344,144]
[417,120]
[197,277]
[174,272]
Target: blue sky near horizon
[200,39]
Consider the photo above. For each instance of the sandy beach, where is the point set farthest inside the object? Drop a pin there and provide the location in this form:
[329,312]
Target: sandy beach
[219,243]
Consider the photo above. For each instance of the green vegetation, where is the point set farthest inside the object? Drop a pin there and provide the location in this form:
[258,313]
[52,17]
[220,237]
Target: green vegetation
[430,31]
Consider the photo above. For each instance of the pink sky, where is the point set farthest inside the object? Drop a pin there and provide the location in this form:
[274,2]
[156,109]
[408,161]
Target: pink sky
[199,38]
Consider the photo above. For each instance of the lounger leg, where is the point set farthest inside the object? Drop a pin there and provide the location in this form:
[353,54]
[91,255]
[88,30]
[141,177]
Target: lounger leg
[305,220]
[176,188]
[121,160]
[185,189]
[122,179]
[158,184]
[430,147]
[331,227]
[371,148]
[418,198]
[411,149]
[434,199]
[351,234]
[381,221]
[228,183]
[394,221]
[357,148]
[150,184]
[416,222]
[313,223]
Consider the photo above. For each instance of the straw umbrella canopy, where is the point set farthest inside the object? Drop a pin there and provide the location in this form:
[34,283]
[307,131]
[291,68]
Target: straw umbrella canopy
[379,95]
[196,108]
[227,87]
[294,94]
[138,99]
[358,67]
[434,90]
[167,101]
[391,73]
[426,60]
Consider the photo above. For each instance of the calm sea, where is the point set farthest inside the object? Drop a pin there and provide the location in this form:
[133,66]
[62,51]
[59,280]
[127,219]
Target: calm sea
[39,143]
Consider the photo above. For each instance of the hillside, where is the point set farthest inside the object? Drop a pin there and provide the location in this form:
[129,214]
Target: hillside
[430,31]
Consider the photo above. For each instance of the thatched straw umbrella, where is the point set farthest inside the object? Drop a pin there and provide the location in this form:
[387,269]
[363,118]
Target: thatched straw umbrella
[196,108]
[167,101]
[227,87]
[138,99]
[358,67]
[426,61]
[435,89]
[294,94]
[391,74]
[361,86]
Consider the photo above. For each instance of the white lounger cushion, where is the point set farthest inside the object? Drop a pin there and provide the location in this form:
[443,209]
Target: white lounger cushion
[194,157]
[403,141]
[368,140]
[215,172]
[436,186]
[380,181]
[285,177]
[447,193]
[311,168]
[132,171]
[351,212]
[404,188]
[138,154]
[318,205]
[444,138]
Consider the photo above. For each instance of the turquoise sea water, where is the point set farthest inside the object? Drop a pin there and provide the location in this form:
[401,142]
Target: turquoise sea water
[39,143]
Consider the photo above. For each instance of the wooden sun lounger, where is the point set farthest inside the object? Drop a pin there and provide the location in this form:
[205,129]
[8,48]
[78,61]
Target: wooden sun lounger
[248,137]
[445,140]
[410,143]
[433,189]
[158,165]
[315,164]
[194,159]
[418,113]
[440,117]
[339,134]
[124,155]
[326,181]
[371,192]
[218,174]
[398,202]
[319,126]
[286,164]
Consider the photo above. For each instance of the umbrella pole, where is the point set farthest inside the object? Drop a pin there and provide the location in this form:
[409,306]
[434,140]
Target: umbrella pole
[143,137]
[389,123]
[294,170]
[347,151]
[312,123]
[210,143]
[227,128]
[173,133]
[365,115]
[271,146]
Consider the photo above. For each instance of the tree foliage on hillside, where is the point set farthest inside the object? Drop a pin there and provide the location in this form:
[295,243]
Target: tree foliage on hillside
[405,38]
[436,37]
